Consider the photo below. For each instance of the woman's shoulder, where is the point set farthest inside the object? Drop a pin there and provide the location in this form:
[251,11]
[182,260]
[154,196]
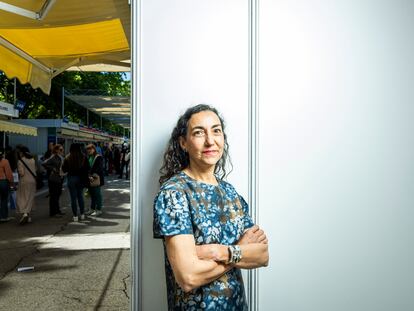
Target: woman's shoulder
[174,183]
[227,186]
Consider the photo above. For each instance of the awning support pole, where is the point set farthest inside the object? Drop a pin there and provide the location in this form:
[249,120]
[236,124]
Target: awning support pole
[24,55]
[63,102]
[27,13]
[15,92]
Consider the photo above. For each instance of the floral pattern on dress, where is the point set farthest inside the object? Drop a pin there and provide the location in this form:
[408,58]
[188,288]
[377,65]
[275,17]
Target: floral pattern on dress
[213,214]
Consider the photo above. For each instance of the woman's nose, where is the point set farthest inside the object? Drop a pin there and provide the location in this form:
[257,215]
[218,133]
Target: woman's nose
[209,140]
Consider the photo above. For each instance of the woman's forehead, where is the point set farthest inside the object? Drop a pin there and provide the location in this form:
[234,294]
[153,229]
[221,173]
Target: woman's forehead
[204,119]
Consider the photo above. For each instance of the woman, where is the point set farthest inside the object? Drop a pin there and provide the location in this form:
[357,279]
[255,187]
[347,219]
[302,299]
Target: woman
[6,180]
[207,232]
[25,194]
[76,167]
[53,166]
[96,166]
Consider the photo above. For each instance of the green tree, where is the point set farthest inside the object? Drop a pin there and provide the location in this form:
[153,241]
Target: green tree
[42,106]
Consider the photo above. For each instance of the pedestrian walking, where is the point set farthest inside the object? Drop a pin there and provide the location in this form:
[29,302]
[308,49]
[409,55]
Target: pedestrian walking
[117,160]
[124,161]
[53,165]
[76,167]
[96,171]
[6,180]
[25,194]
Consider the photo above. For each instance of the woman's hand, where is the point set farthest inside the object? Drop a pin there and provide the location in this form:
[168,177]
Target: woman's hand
[216,252]
[253,235]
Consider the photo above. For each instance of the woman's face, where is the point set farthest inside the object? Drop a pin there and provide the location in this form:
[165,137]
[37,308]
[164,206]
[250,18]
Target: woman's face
[90,151]
[205,139]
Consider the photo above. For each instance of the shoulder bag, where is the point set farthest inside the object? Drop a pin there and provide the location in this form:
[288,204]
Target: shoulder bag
[38,178]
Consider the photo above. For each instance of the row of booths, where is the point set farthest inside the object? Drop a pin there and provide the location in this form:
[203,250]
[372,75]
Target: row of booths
[59,131]
[36,134]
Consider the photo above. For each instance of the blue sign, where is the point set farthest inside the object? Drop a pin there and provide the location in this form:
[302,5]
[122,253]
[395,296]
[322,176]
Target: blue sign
[20,105]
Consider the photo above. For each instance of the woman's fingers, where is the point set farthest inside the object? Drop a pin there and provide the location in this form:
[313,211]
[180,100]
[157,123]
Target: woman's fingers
[253,229]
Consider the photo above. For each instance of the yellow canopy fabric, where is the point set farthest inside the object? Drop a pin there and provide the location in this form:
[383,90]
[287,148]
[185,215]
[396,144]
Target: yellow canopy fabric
[73,33]
[10,127]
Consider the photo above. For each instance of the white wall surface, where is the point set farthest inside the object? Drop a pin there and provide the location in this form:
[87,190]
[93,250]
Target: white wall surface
[336,154]
[193,52]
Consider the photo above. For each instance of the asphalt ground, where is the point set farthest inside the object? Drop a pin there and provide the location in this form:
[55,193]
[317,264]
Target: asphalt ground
[76,266]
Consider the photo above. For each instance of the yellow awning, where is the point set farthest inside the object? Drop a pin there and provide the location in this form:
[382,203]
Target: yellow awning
[73,33]
[68,133]
[10,127]
[85,135]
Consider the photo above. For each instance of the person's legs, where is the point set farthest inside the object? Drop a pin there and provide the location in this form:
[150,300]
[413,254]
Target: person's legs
[73,194]
[92,195]
[4,196]
[79,193]
[59,193]
[121,170]
[98,198]
[53,198]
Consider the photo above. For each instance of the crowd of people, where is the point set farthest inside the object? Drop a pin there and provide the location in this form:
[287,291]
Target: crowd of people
[84,167]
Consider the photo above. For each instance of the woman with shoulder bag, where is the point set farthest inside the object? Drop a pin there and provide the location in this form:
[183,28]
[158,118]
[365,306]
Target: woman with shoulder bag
[76,167]
[96,179]
[6,179]
[53,166]
[25,194]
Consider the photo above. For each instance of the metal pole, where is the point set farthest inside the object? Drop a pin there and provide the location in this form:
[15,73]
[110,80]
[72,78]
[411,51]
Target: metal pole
[15,92]
[101,122]
[136,165]
[87,117]
[63,102]
[253,275]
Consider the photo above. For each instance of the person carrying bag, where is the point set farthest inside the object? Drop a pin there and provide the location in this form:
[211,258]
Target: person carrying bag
[96,179]
[53,165]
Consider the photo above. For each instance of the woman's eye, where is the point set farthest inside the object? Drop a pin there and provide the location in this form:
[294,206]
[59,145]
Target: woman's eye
[217,131]
[198,133]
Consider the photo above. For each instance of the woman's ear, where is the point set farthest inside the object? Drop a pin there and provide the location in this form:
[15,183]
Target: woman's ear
[181,140]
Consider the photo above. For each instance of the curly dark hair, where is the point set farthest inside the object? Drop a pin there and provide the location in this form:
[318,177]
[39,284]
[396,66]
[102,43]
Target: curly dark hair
[175,159]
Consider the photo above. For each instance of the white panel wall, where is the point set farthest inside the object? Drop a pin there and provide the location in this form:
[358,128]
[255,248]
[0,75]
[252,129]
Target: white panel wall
[337,154]
[193,52]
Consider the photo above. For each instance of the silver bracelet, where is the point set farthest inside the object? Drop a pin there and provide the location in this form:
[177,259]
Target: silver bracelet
[235,254]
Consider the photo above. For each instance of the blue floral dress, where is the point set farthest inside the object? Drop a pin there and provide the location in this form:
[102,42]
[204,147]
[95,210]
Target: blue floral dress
[214,215]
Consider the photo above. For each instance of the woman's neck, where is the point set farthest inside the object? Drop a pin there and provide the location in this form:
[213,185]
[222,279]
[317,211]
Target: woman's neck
[201,174]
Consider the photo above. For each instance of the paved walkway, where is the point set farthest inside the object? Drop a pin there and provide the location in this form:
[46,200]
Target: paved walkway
[77,266]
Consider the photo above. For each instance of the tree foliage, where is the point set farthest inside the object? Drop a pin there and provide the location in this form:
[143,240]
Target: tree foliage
[42,106]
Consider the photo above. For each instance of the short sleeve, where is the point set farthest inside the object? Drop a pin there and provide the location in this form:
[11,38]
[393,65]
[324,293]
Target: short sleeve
[247,221]
[171,214]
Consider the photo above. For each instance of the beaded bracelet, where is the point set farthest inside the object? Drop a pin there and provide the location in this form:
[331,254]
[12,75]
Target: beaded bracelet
[235,254]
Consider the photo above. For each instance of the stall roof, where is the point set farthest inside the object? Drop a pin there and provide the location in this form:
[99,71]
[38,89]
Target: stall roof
[41,38]
[11,127]
[117,109]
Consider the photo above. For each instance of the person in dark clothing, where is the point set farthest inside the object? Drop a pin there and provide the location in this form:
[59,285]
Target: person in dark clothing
[124,162]
[49,151]
[53,166]
[76,166]
[6,179]
[11,156]
[96,166]
[117,160]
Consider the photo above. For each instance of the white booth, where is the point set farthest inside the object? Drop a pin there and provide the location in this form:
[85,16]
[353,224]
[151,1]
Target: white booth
[318,101]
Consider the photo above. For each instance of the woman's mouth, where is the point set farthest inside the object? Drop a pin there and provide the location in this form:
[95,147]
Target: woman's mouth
[210,152]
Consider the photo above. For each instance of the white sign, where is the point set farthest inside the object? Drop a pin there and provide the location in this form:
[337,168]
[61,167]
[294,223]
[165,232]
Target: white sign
[70,125]
[8,110]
